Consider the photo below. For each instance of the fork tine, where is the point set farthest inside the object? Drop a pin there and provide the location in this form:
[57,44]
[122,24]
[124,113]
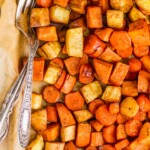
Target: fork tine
[20,8]
[28,5]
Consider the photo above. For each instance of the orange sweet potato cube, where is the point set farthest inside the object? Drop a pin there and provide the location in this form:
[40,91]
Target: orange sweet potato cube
[119,73]
[78,6]
[38,68]
[129,88]
[144,82]
[103,70]
[52,115]
[139,33]
[94,17]
[146,62]
[47,33]
[62,3]
[96,139]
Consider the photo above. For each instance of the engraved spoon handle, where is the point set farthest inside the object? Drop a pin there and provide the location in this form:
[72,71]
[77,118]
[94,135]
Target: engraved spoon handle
[25,115]
[9,102]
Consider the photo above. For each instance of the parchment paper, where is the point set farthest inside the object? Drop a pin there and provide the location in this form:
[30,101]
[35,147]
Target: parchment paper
[13,46]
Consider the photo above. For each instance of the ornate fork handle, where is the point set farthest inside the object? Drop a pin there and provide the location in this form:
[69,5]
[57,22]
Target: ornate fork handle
[9,102]
[25,115]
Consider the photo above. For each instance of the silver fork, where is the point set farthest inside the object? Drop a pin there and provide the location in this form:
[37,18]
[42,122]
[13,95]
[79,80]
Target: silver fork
[22,23]
[12,95]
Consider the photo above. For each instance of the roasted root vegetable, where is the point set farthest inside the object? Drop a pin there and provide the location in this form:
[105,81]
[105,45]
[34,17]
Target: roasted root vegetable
[51,94]
[124,5]
[129,107]
[36,101]
[91,91]
[112,94]
[83,134]
[94,66]
[59,14]
[74,101]
[74,42]
[115,18]
[37,144]
[39,17]
[94,17]
[39,120]
[50,50]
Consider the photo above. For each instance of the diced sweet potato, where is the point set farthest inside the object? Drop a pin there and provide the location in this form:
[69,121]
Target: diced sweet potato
[39,17]
[146,62]
[115,18]
[109,134]
[144,135]
[47,33]
[108,147]
[71,64]
[114,108]
[129,88]
[119,73]
[96,139]
[104,34]
[140,115]
[139,33]
[121,133]
[102,111]
[70,146]
[68,84]
[94,17]
[86,74]
[121,144]
[83,134]
[94,105]
[78,6]
[121,118]
[91,148]
[112,94]
[109,56]
[132,127]
[144,103]
[103,70]
[68,133]
[52,115]
[96,125]
[140,51]
[51,133]
[91,91]
[65,116]
[143,81]
[129,107]
[45,3]
[57,62]
[62,3]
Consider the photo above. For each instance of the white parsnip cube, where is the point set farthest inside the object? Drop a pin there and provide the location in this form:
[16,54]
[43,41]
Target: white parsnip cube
[68,133]
[54,146]
[112,94]
[36,102]
[82,115]
[74,42]
[91,91]
[59,14]
[37,144]
[50,50]
[52,74]
[115,18]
